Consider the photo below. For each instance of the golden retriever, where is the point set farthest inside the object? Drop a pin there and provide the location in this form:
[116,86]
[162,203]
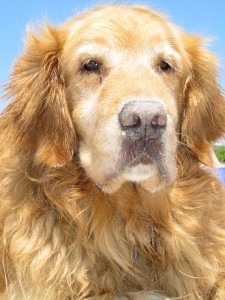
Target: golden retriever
[101,191]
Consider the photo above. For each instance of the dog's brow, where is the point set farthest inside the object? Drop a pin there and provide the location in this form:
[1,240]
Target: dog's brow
[167,50]
[91,48]
[99,50]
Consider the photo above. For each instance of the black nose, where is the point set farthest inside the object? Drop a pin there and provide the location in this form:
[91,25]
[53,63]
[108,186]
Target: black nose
[143,119]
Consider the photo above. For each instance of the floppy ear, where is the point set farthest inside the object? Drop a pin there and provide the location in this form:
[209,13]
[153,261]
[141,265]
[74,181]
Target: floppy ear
[38,118]
[204,108]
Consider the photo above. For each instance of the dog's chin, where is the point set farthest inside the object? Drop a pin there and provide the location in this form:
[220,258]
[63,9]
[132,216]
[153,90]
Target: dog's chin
[140,172]
[147,176]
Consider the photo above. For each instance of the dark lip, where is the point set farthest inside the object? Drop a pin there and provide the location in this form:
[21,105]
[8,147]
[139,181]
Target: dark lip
[141,151]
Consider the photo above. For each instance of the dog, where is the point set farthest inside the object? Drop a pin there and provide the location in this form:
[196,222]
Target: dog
[102,190]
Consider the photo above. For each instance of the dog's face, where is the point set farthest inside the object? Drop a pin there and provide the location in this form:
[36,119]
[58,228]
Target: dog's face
[124,86]
[128,84]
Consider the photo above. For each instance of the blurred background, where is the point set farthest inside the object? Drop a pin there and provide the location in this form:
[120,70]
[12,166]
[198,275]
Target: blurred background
[204,17]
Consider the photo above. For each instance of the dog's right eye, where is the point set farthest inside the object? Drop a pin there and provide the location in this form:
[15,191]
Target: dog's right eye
[91,66]
[164,66]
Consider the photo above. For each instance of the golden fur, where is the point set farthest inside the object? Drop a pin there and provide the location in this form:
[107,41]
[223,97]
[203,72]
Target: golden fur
[71,228]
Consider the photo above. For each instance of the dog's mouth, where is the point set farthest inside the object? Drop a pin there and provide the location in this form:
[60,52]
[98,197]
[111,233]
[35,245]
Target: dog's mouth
[149,154]
[139,161]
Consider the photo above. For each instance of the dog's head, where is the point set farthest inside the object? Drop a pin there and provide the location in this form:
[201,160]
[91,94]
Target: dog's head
[128,84]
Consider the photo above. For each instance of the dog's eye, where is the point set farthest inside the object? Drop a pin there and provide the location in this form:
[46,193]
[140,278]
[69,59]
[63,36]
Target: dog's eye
[164,66]
[91,66]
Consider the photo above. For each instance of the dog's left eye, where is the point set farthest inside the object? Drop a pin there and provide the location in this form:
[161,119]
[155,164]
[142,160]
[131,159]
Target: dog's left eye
[91,66]
[164,66]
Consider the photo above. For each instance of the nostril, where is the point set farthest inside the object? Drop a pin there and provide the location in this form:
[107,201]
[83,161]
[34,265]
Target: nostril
[159,122]
[136,121]
[129,119]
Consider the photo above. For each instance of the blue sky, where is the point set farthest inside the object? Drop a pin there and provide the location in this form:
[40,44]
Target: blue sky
[196,16]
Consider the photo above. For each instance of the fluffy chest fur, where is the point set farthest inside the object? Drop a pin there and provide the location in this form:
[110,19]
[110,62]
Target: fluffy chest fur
[126,242]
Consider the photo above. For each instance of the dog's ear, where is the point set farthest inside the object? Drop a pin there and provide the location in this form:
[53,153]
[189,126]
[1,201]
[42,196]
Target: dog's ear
[204,108]
[38,118]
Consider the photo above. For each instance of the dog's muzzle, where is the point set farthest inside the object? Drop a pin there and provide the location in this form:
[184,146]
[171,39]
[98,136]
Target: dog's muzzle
[143,124]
